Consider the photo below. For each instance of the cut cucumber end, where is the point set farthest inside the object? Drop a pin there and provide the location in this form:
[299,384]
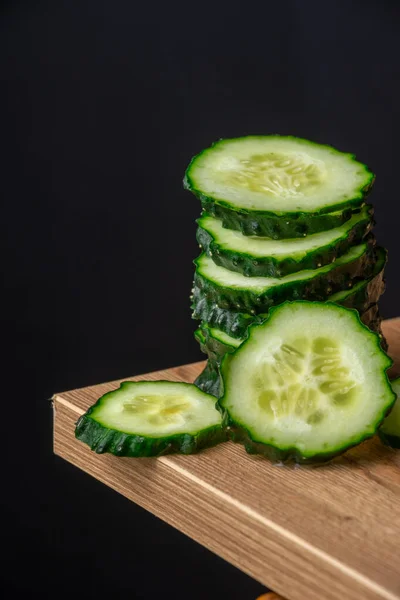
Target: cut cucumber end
[309,383]
[278,174]
[151,418]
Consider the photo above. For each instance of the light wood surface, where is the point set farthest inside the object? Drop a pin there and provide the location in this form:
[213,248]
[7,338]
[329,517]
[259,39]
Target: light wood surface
[317,533]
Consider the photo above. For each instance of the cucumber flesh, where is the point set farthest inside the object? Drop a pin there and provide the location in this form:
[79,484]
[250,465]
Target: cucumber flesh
[279,175]
[307,384]
[265,257]
[257,294]
[389,431]
[149,418]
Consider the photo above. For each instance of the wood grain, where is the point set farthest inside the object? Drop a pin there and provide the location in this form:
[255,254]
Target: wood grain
[315,533]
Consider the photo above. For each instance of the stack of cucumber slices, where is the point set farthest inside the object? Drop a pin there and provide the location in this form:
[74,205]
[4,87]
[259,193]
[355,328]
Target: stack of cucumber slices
[283,219]
[286,290]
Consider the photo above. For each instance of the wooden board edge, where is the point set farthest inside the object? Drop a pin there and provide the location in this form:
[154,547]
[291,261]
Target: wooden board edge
[268,554]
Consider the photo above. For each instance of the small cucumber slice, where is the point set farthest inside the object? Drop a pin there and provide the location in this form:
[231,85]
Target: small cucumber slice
[257,294]
[307,384]
[360,296]
[389,431]
[278,175]
[149,418]
[265,257]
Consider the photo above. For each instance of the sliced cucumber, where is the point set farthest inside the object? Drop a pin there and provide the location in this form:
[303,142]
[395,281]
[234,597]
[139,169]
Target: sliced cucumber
[360,296]
[307,384]
[256,294]
[278,175]
[265,257]
[256,222]
[149,418]
[389,431]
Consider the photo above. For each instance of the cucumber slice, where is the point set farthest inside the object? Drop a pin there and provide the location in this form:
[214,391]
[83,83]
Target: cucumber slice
[307,384]
[257,294]
[264,257]
[149,418]
[255,222]
[360,296]
[281,175]
[389,431]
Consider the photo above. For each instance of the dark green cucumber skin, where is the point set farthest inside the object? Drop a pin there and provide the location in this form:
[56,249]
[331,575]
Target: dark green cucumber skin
[209,380]
[231,322]
[102,439]
[237,432]
[317,288]
[274,226]
[393,441]
[270,266]
[280,220]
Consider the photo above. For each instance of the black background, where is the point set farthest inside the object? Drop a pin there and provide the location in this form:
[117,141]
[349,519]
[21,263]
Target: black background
[102,106]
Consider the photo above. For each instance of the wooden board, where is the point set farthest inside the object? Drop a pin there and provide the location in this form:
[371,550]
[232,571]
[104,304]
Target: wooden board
[315,533]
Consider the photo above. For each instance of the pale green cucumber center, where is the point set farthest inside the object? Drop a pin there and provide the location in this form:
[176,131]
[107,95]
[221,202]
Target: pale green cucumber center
[305,380]
[280,174]
[311,377]
[157,409]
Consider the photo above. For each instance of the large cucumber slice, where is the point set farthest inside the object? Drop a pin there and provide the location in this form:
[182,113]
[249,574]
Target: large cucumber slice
[256,294]
[149,418]
[389,431]
[360,296]
[265,257]
[307,384]
[278,175]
